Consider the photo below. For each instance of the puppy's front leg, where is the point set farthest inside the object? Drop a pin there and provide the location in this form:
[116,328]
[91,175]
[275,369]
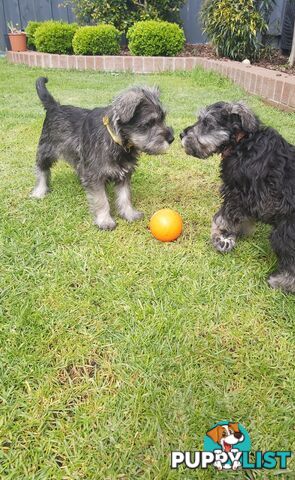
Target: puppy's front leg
[124,204]
[99,206]
[223,233]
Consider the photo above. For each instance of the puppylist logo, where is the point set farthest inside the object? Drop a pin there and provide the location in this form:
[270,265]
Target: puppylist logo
[227,447]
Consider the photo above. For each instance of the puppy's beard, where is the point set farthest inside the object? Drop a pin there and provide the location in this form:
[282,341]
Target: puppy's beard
[158,150]
[156,146]
[203,146]
[191,148]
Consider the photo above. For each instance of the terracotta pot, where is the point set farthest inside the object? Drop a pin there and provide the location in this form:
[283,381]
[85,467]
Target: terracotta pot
[18,41]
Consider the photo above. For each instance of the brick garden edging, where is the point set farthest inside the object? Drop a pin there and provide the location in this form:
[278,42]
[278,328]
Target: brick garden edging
[275,87]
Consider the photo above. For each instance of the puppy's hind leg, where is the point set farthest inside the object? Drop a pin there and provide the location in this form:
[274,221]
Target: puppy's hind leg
[124,204]
[283,242]
[45,159]
[99,206]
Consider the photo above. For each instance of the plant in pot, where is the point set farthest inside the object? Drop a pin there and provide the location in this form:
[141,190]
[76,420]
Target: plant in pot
[17,38]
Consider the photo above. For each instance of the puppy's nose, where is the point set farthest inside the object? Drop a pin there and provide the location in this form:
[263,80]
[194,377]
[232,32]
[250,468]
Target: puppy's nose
[170,136]
[238,435]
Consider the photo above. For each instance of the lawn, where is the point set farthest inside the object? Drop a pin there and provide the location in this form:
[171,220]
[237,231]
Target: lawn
[116,348]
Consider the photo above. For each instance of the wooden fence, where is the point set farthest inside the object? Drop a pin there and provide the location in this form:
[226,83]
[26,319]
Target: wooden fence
[21,11]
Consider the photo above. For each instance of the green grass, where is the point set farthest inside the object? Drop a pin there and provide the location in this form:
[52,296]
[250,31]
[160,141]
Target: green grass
[116,348]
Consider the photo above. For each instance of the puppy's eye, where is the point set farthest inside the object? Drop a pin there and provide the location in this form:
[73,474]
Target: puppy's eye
[230,431]
[150,123]
[224,434]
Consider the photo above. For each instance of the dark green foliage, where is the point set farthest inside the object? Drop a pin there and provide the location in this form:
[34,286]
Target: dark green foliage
[155,38]
[55,37]
[30,31]
[125,13]
[234,27]
[100,40]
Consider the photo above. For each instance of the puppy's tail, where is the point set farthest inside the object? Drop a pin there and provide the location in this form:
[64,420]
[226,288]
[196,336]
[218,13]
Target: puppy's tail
[45,97]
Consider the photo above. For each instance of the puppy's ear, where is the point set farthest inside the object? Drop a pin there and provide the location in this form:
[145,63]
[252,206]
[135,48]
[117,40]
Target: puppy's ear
[234,426]
[156,91]
[248,120]
[215,434]
[126,104]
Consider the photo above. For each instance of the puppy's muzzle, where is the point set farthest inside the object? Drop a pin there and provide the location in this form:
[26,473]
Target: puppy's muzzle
[170,135]
[184,133]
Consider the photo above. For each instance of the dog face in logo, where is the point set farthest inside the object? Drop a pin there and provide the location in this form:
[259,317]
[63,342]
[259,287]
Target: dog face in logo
[226,435]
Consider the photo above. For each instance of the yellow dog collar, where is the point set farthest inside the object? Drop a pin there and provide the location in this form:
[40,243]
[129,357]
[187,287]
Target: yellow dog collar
[115,137]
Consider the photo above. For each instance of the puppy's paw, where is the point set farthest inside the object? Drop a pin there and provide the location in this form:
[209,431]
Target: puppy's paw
[105,224]
[132,215]
[223,244]
[283,281]
[39,192]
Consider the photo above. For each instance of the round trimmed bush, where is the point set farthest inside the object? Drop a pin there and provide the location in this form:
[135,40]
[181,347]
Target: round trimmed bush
[55,37]
[155,38]
[99,40]
[30,31]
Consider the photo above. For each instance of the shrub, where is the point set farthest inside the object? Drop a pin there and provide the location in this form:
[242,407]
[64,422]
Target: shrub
[100,40]
[123,13]
[30,31]
[155,38]
[233,27]
[55,37]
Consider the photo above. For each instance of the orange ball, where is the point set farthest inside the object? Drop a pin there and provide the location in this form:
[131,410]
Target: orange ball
[166,225]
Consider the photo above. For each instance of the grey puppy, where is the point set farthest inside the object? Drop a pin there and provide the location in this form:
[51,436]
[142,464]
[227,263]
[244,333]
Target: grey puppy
[102,145]
[258,181]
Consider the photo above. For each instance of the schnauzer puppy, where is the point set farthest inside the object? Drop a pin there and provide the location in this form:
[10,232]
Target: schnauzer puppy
[102,145]
[258,174]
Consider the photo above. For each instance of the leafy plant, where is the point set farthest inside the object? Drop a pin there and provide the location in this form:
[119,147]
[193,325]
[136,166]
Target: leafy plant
[30,31]
[100,40]
[155,38]
[13,28]
[124,13]
[234,27]
[55,37]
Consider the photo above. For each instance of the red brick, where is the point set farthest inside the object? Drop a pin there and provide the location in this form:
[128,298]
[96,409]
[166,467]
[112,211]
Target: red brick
[55,60]
[189,63]
[286,93]
[89,59]
[72,62]
[80,62]
[169,64]
[118,64]
[137,64]
[179,63]
[291,102]
[278,91]
[158,64]
[259,84]
[268,88]
[63,61]
[109,64]
[98,63]
[200,62]
[247,81]
[128,64]
[252,82]
[148,64]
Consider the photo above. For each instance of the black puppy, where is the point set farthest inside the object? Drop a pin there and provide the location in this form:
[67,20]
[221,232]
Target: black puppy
[258,174]
[102,145]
